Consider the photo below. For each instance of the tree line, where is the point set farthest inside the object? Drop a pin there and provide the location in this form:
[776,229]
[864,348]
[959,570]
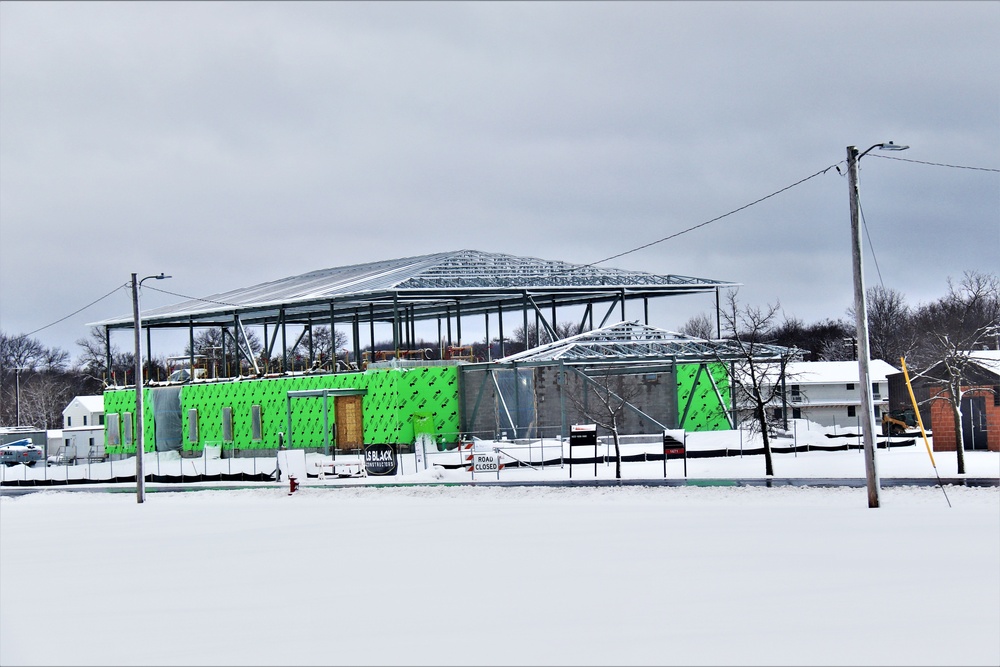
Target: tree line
[936,339]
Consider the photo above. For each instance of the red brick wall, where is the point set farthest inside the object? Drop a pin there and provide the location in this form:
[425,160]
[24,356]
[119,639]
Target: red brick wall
[943,423]
[992,424]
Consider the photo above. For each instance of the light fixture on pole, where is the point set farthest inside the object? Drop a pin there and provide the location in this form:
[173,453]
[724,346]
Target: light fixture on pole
[867,416]
[140,447]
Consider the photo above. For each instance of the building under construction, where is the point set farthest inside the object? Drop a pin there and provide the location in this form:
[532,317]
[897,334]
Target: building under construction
[262,399]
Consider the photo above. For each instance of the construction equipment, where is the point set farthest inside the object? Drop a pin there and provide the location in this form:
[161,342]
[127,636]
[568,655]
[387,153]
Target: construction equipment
[897,422]
[460,352]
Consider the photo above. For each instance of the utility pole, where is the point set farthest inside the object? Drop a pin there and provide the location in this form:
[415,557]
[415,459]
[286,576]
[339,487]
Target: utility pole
[861,321]
[140,487]
[140,445]
[867,416]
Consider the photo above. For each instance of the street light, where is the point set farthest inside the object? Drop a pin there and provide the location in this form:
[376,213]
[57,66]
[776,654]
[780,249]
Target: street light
[861,320]
[140,447]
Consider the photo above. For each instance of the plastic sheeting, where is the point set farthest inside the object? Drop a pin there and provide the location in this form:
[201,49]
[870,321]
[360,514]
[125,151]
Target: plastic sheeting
[167,418]
[517,404]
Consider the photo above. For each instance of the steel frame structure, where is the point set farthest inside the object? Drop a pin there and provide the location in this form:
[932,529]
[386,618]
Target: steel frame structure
[626,348]
[443,286]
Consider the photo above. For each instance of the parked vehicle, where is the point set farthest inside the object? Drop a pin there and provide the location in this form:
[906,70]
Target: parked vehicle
[20,451]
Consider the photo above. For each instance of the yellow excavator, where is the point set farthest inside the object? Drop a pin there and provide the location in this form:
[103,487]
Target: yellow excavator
[897,422]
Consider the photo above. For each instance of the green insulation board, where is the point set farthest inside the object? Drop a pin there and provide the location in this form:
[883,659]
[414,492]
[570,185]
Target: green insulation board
[122,403]
[702,406]
[390,399]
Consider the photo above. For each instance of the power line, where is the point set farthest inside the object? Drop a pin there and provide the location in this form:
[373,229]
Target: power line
[606,259]
[192,298]
[777,192]
[708,222]
[870,244]
[903,159]
[78,311]
[934,164]
[611,257]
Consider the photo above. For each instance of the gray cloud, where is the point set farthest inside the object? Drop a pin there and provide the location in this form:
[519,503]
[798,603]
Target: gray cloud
[231,143]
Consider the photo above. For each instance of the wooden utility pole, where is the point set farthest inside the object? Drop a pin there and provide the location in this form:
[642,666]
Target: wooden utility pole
[866,417]
[140,446]
[140,486]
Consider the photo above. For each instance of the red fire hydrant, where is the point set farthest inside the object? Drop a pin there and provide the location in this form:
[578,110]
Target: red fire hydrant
[293,484]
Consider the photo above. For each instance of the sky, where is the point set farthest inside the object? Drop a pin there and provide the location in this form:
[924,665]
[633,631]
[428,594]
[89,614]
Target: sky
[228,144]
[485,575]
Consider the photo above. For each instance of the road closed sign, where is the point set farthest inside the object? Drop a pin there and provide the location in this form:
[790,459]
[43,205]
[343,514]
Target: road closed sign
[485,462]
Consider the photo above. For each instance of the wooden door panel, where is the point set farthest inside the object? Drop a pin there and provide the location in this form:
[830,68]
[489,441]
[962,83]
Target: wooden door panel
[350,428]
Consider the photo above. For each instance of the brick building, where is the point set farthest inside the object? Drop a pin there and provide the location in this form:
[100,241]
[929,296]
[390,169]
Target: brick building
[980,406]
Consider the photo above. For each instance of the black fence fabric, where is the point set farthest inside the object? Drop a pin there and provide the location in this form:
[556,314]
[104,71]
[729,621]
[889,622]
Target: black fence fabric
[574,460]
[696,454]
[159,479]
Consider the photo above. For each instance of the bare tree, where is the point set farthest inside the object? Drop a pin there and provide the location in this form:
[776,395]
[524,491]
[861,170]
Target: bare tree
[891,333]
[30,374]
[541,336]
[699,326]
[604,400]
[839,349]
[826,337]
[324,345]
[30,354]
[966,320]
[756,369]
[208,344]
[93,360]
[45,395]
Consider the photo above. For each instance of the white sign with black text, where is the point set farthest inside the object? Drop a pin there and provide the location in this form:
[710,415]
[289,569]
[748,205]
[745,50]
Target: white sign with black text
[486,462]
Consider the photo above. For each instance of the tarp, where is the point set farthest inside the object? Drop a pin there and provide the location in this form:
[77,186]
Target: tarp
[167,418]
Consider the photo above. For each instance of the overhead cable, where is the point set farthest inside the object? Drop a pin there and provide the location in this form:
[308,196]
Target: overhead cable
[78,311]
[193,298]
[934,164]
[708,222]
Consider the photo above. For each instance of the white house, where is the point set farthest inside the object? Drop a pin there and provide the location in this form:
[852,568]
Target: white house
[83,428]
[827,392]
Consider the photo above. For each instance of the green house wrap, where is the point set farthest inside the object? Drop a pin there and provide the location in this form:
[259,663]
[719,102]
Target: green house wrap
[703,397]
[258,413]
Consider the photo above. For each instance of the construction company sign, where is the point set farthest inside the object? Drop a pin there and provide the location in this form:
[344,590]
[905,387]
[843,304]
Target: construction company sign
[380,459]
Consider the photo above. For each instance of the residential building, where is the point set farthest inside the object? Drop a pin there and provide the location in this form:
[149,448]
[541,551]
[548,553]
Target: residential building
[83,429]
[827,392]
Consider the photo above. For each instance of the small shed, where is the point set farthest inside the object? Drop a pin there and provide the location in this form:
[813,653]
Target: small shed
[980,404]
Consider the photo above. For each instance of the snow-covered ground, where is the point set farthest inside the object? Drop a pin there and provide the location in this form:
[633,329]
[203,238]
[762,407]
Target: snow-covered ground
[439,574]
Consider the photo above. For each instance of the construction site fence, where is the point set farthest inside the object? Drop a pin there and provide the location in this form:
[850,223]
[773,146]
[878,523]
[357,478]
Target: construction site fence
[171,467]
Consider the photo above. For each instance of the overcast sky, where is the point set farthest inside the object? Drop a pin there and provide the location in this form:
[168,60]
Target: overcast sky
[228,144]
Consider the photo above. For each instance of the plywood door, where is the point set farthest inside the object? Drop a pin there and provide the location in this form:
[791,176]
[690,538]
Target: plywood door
[350,429]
